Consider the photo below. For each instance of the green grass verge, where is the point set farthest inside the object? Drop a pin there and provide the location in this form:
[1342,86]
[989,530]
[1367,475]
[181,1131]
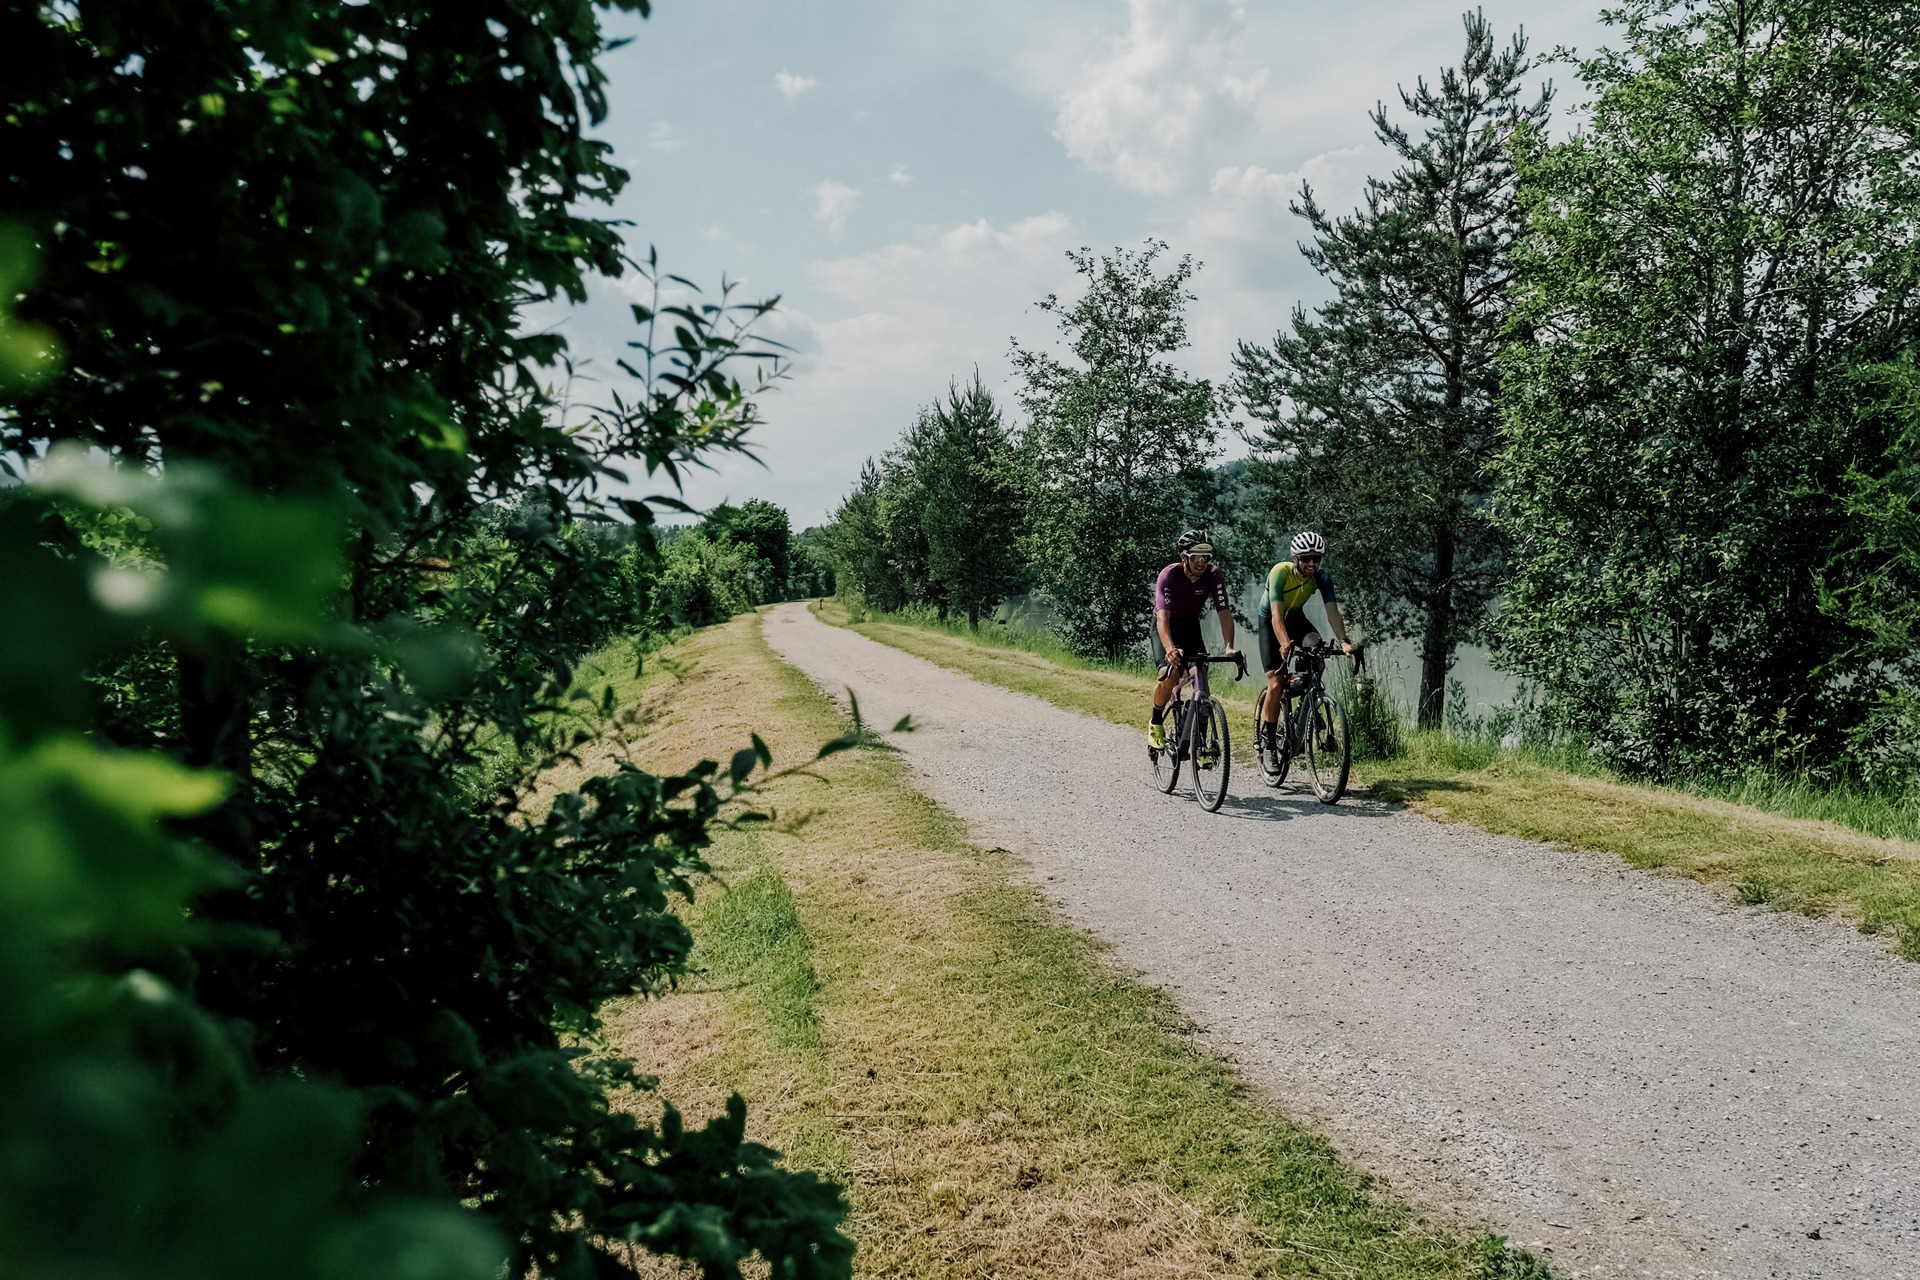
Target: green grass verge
[1838,855]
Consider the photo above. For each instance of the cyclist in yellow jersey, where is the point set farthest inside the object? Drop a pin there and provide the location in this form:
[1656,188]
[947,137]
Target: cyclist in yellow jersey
[1283,624]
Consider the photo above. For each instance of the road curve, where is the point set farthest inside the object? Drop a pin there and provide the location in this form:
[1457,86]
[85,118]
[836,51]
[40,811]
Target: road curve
[1618,1069]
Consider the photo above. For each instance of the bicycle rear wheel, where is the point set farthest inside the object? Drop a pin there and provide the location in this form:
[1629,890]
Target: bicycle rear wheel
[1272,757]
[1329,751]
[1166,761]
[1212,754]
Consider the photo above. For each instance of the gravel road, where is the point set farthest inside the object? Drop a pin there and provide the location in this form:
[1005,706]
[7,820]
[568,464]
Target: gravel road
[1622,1071]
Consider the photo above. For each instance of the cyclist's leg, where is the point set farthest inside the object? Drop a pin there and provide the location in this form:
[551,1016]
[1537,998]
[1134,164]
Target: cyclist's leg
[1305,636]
[1186,635]
[1275,666]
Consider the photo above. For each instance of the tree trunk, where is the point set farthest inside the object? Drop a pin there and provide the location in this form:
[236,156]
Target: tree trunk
[1436,646]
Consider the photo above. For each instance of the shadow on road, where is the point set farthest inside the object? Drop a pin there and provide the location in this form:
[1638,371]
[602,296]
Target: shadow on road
[1287,803]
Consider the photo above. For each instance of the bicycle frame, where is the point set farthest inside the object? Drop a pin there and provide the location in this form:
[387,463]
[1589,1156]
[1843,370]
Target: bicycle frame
[1196,676]
[1313,670]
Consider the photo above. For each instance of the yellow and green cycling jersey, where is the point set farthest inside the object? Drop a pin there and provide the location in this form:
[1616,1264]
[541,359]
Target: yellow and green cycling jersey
[1291,589]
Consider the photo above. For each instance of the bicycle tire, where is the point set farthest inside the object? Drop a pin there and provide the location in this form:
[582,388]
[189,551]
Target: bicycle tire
[1212,755]
[1165,762]
[1329,749]
[1275,763]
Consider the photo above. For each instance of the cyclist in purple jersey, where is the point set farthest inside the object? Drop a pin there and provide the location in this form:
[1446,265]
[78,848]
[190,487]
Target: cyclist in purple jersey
[1180,596]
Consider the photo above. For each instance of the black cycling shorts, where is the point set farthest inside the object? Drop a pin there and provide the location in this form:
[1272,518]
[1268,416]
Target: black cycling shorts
[1186,638]
[1298,628]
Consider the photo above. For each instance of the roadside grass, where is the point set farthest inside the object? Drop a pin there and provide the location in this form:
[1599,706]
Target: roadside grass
[907,1018]
[1843,855]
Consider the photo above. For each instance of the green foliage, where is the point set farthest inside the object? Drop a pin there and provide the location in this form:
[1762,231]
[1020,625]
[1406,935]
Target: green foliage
[1379,416]
[703,579]
[1378,730]
[879,545]
[813,565]
[132,1137]
[935,521]
[297,255]
[1702,266]
[961,456]
[761,525]
[1116,447]
[1872,580]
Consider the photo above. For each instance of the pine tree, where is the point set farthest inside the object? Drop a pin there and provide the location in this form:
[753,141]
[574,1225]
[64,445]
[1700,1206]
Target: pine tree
[1379,415]
[970,507]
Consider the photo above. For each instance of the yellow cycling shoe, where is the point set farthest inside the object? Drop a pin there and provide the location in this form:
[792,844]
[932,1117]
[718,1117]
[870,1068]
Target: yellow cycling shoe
[1157,736]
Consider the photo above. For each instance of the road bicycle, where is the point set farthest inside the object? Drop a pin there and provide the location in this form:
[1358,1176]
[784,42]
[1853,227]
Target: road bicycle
[1316,726]
[1197,731]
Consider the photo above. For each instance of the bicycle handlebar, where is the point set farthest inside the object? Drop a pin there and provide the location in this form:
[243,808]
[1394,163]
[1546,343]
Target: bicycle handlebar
[1324,652]
[1208,659]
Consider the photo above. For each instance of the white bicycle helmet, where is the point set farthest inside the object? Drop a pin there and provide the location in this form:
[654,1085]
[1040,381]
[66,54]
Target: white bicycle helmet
[1309,544]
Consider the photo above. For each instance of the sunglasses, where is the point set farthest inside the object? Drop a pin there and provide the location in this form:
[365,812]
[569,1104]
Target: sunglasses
[1306,559]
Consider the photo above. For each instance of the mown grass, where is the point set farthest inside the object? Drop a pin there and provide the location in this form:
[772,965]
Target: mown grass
[907,1017]
[1843,853]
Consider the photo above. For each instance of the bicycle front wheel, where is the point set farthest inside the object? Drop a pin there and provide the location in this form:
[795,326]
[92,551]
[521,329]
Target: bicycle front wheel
[1166,761]
[1329,751]
[1212,754]
[1272,756]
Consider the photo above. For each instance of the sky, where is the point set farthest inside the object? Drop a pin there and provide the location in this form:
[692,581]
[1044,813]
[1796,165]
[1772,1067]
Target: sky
[907,176]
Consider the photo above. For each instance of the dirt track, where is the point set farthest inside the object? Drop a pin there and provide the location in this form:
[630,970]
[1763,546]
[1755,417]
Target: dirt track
[1617,1069]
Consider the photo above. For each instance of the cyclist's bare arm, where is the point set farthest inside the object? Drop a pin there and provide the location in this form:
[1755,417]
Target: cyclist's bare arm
[1226,629]
[1160,619]
[1280,629]
[1339,626]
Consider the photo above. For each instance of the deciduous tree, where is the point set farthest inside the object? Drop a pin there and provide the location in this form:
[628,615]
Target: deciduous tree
[1116,445]
[1704,263]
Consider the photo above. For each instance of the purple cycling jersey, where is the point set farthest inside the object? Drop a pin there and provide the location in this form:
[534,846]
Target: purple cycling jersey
[1183,598]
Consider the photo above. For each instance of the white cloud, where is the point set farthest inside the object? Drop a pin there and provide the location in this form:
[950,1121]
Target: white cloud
[885,332]
[792,86]
[834,204]
[1176,83]
[664,137]
[1251,205]
[900,177]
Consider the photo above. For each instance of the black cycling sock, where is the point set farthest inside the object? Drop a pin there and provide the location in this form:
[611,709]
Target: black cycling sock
[1159,714]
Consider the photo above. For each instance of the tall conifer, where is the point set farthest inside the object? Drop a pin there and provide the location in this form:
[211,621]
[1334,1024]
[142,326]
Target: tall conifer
[1377,416]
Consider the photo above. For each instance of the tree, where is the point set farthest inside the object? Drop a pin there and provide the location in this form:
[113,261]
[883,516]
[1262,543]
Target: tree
[1872,578]
[879,547]
[762,527]
[961,459]
[1380,415]
[1116,446]
[1703,266]
[813,566]
[298,253]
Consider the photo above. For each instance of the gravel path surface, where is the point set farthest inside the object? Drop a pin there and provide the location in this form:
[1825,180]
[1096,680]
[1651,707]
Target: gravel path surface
[1619,1070]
